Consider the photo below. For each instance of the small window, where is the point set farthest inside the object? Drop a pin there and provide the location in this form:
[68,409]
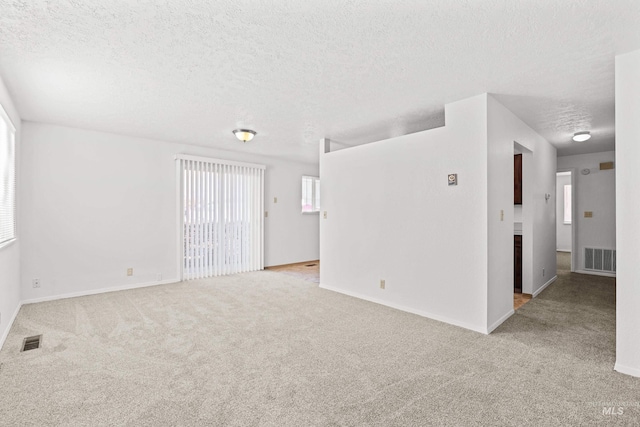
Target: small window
[7,179]
[310,194]
[567,204]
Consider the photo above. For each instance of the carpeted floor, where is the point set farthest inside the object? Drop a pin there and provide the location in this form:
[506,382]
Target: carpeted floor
[270,349]
[564,262]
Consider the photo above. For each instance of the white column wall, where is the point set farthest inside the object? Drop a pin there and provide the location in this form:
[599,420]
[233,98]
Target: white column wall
[627,208]
[539,238]
[392,216]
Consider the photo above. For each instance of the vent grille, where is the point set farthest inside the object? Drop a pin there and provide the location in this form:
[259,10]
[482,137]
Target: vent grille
[310,265]
[600,259]
[31,343]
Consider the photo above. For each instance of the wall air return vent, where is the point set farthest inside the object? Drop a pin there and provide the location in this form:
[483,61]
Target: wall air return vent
[600,260]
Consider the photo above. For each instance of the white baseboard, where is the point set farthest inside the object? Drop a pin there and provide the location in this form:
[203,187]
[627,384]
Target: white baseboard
[100,291]
[500,321]
[595,273]
[543,287]
[635,372]
[422,313]
[4,336]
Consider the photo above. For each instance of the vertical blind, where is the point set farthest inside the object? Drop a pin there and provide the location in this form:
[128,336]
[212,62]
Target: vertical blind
[222,224]
[7,179]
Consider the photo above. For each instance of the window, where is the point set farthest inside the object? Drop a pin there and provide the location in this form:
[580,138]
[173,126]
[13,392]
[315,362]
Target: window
[310,194]
[567,204]
[7,179]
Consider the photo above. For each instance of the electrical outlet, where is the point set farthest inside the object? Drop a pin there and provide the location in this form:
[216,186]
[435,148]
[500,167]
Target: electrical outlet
[382,284]
[35,283]
[325,215]
[159,277]
[266,214]
[275,200]
[129,271]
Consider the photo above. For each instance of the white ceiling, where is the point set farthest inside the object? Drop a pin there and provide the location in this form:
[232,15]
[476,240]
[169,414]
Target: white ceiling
[296,71]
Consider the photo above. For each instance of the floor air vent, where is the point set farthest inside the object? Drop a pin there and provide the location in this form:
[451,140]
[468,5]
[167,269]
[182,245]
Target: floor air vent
[600,259]
[31,343]
[310,265]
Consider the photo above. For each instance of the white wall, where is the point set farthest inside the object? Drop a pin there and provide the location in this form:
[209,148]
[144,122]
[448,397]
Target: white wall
[596,193]
[10,254]
[538,215]
[627,208]
[95,204]
[392,216]
[563,231]
[445,252]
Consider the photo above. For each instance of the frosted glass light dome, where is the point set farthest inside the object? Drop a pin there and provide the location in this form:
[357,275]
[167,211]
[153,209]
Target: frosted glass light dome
[581,136]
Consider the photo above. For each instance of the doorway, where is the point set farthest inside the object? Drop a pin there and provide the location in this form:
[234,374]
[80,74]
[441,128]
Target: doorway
[522,225]
[564,219]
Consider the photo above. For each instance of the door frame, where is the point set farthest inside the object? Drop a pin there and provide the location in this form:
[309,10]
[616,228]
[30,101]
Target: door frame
[574,216]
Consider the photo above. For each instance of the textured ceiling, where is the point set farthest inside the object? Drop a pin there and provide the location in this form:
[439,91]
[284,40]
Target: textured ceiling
[296,71]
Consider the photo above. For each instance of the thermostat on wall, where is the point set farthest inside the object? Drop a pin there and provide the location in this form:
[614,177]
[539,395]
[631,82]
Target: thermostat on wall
[453,179]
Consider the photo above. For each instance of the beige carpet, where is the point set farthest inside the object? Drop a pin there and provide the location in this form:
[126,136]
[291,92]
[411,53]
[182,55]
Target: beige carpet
[269,349]
[564,262]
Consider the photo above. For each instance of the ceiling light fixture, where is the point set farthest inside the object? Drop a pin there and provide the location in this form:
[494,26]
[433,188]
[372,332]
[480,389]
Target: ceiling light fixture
[244,135]
[581,136]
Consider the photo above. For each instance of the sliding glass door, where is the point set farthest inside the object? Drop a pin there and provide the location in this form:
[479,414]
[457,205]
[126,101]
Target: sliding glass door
[221,215]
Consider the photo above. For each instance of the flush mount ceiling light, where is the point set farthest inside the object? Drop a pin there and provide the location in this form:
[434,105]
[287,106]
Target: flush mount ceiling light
[581,136]
[244,135]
